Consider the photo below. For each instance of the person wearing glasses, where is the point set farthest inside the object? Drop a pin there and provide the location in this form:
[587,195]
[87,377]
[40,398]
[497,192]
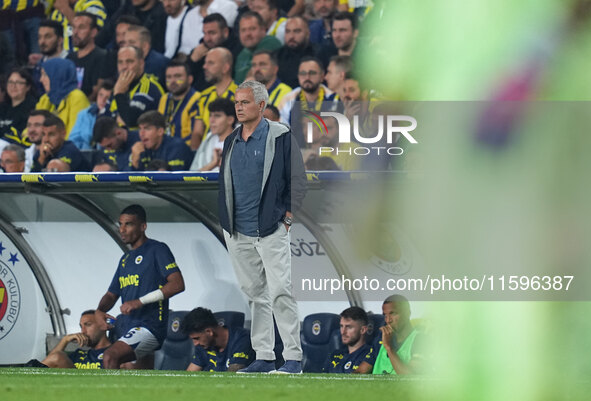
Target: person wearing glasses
[312,95]
[14,112]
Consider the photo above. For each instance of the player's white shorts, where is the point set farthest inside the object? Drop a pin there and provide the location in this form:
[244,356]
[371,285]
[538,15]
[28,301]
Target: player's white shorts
[141,340]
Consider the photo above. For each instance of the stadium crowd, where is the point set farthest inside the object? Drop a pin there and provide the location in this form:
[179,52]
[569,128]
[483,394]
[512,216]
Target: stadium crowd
[145,84]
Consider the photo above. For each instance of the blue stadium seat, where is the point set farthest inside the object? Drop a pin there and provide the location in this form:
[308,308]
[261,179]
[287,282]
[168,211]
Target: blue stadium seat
[230,318]
[317,331]
[373,327]
[177,349]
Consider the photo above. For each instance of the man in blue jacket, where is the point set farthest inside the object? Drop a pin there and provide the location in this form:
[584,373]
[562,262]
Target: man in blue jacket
[262,182]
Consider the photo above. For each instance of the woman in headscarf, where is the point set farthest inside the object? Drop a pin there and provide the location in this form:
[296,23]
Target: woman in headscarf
[62,96]
[14,111]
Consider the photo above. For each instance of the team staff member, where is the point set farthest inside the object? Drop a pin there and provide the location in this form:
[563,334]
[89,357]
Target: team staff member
[146,277]
[116,142]
[261,182]
[180,105]
[90,336]
[135,92]
[353,328]
[217,348]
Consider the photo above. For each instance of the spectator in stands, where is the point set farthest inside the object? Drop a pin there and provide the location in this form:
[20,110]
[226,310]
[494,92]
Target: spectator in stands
[253,37]
[154,62]
[89,59]
[218,72]
[62,95]
[121,27]
[180,34]
[90,336]
[337,70]
[14,111]
[34,135]
[355,100]
[51,41]
[271,113]
[135,92]
[222,118]
[320,28]
[65,11]
[151,15]
[116,142]
[264,70]
[215,34]
[310,95]
[256,227]
[202,8]
[154,144]
[274,23]
[353,328]
[297,46]
[217,348]
[399,353]
[81,134]
[180,105]
[57,166]
[13,159]
[151,265]
[19,26]
[55,146]
[344,33]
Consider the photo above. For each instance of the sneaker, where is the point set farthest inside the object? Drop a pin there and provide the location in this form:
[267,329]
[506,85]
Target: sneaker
[258,366]
[290,368]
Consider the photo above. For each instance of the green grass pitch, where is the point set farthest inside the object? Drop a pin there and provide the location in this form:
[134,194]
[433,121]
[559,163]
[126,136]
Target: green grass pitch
[28,384]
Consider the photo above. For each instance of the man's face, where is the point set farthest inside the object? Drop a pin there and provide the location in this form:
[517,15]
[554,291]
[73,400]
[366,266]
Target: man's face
[333,76]
[324,8]
[177,80]
[131,229]
[263,69]
[261,7]
[83,33]
[173,7]
[102,97]
[151,136]
[310,76]
[48,41]
[351,331]
[10,163]
[351,90]
[115,141]
[297,33]
[133,38]
[220,122]
[247,110]
[54,137]
[213,35]
[212,68]
[35,129]
[205,338]
[250,32]
[120,32]
[89,328]
[343,34]
[393,316]
[127,61]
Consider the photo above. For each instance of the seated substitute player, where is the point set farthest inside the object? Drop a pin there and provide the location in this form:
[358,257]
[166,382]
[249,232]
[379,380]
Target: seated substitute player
[399,353]
[217,348]
[91,335]
[353,328]
[146,277]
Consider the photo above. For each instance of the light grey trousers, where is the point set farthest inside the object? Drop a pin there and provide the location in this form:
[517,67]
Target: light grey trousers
[263,269]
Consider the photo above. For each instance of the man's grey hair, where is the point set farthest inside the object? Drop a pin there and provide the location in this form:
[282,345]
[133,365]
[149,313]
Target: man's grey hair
[258,90]
[20,152]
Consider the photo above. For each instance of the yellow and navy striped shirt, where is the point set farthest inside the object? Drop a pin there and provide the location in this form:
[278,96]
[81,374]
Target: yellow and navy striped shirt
[208,96]
[95,7]
[19,5]
[180,116]
[277,91]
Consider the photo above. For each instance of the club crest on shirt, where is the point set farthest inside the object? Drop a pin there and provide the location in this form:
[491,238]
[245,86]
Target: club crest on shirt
[139,259]
[348,365]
